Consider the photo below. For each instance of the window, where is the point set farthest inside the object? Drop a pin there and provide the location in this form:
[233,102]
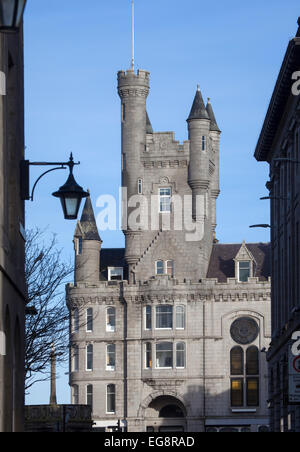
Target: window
[170,268]
[165,200]
[180,317]
[89,319]
[78,245]
[159,268]
[140,186]
[164,316]
[75,324]
[148,355]
[164,268]
[180,355]
[203,144]
[75,395]
[89,395]
[237,361]
[89,357]
[164,355]
[123,112]
[111,357]
[115,273]
[111,399]
[110,319]
[245,388]
[244,271]
[75,359]
[148,317]
[237,392]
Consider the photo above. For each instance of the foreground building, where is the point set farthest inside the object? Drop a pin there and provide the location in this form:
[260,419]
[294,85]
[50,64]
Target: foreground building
[12,239]
[279,145]
[167,333]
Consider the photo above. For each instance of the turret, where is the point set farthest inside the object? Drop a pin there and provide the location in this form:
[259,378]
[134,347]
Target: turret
[133,90]
[87,243]
[199,131]
[215,133]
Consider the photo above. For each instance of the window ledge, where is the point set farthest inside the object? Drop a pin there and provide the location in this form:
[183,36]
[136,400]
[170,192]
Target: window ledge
[243,410]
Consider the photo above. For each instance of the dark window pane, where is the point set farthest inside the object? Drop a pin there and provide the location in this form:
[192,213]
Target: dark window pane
[252,366]
[237,361]
[252,392]
[237,399]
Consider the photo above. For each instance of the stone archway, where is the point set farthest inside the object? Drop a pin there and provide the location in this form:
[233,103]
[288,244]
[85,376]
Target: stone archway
[164,412]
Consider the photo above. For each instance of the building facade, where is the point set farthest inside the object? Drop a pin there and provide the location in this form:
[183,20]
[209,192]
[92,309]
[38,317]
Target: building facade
[12,239]
[278,145]
[166,334]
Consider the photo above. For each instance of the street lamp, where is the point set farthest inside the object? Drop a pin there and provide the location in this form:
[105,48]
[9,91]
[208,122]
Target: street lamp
[70,194]
[11,13]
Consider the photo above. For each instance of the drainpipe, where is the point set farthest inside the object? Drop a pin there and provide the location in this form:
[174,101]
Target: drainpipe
[204,366]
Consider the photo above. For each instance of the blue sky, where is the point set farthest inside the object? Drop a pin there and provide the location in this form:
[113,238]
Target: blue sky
[73,51]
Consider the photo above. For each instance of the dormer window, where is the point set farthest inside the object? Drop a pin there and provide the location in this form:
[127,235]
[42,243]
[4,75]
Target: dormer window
[244,270]
[115,274]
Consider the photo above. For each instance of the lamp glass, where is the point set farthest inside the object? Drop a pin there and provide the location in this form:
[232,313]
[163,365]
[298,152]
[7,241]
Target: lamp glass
[11,12]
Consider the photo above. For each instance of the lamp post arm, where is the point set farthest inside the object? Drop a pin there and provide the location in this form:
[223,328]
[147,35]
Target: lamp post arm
[42,175]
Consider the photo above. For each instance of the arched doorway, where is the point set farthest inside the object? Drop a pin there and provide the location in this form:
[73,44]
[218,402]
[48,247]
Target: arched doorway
[165,414]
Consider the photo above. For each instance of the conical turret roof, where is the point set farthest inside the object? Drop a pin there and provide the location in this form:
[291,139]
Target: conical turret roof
[298,32]
[198,110]
[213,123]
[149,128]
[88,222]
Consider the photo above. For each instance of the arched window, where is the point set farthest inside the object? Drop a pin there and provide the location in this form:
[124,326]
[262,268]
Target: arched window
[110,319]
[111,399]
[237,361]
[75,358]
[75,323]
[111,357]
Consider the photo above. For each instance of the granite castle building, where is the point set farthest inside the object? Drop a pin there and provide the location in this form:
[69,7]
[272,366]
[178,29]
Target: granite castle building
[167,333]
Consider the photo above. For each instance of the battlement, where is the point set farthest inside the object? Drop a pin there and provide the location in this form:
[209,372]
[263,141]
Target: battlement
[132,78]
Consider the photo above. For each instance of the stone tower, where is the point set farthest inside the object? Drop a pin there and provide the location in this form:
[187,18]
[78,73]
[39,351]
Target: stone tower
[174,186]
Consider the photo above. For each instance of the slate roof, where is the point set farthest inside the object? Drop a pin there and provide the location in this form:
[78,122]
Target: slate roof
[213,123]
[88,223]
[222,265]
[198,110]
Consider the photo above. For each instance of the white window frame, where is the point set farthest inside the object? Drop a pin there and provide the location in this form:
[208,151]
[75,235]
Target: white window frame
[238,269]
[163,197]
[146,315]
[109,328]
[75,320]
[168,262]
[108,367]
[156,267]
[75,358]
[118,270]
[184,354]
[115,396]
[183,313]
[146,352]
[157,314]
[156,353]
[165,267]
[88,320]
[87,356]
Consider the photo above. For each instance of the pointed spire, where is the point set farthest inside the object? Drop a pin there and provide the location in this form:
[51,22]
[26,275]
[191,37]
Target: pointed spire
[213,123]
[88,222]
[298,32]
[198,110]
[149,128]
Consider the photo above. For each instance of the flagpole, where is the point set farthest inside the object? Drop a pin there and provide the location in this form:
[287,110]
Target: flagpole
[132,63]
